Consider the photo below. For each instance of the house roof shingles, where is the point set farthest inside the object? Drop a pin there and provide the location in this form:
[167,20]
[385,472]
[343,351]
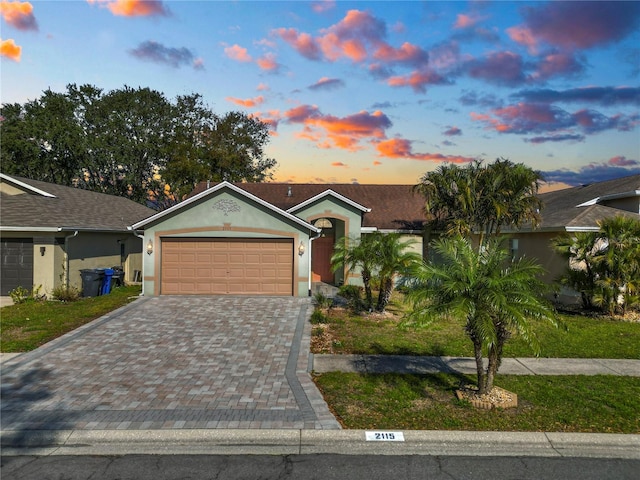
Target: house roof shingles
[72,208]
[560,208]
[393,207]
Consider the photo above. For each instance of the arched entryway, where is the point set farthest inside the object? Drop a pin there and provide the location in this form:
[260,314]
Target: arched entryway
[322,251]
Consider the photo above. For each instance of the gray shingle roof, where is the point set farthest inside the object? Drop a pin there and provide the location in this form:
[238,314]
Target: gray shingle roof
[71,208]
[561,207]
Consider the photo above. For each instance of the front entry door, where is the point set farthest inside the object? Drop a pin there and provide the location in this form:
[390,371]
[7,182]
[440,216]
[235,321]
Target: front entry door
[321,252]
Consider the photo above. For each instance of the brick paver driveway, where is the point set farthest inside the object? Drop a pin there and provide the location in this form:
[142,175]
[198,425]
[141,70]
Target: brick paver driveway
[172,362]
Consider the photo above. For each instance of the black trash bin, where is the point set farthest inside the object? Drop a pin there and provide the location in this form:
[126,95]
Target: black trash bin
[118,277]
[91,281]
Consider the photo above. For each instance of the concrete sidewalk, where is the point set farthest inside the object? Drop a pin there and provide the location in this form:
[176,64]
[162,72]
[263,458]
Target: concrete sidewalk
[466,365]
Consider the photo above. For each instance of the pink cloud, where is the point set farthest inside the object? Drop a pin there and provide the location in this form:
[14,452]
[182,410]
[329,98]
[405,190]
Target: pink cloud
[622,161]
[271,119]
[238,53]
[339,164]
[321,6]
[557,64]
[402,148]
[303,43]
[451,131]
[326,83]
[581,24]
[501,68]
[133,8]
[328,131]
[376,163]
[524,36]
[527,118]
[407,53]
[267,62]
[19,15]
[248,103]
[418,80]
[9,49]
[467,21]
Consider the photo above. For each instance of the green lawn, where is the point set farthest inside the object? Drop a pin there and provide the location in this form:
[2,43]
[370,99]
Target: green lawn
[28,325]
[605,404]
[584,337]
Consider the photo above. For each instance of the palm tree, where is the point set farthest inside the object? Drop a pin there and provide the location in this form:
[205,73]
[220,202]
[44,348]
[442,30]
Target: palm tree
[579,249]
[618,263]
[353,253]
[495,297]
[393,257]
[461,200]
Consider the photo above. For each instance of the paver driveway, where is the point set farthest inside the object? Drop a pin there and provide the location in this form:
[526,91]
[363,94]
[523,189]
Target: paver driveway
[172,362]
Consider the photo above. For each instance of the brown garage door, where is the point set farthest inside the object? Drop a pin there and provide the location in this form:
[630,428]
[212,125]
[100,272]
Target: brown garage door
[205,266]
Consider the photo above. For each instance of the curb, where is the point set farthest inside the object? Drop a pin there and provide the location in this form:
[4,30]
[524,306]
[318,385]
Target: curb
[306,442]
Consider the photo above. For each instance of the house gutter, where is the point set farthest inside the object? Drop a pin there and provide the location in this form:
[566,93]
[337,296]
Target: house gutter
[142,238]
[66,254]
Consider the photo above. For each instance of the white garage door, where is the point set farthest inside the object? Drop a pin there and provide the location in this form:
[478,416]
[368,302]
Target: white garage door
[205,266]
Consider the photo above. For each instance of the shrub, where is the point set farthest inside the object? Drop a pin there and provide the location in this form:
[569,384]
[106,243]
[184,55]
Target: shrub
[353,295]
[317,317]
[322,301]
[65,293]
[22,295]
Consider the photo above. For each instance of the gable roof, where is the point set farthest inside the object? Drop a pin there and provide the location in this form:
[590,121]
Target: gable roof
[392,207]
[49,207]
[207,192]
[580,207]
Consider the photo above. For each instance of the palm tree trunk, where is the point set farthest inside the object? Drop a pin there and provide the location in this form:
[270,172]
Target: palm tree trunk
[386,287]
[477,351]
[366,279]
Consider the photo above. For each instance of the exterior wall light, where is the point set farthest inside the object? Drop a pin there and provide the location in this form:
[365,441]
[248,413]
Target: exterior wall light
[42,251]
[149,247]
[301,249]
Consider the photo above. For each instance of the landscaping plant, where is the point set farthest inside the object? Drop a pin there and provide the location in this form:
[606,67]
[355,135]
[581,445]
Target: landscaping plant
[492,295]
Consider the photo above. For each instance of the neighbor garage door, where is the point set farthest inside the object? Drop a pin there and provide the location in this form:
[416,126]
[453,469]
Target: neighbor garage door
[17,264]
[205,266]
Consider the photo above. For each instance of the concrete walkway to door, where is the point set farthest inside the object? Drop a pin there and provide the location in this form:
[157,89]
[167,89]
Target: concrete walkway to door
[172,362]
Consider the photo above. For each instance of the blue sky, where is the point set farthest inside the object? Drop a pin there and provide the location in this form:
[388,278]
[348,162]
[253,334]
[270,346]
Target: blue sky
[367,92]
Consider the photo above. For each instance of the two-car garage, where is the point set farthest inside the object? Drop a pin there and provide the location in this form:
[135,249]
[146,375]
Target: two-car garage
[222,266]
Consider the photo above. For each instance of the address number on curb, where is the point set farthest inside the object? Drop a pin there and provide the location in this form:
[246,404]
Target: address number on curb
[384,436]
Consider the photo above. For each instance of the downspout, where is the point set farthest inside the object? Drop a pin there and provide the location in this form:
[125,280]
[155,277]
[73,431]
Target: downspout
[141,237]
[311,239]
[66,255]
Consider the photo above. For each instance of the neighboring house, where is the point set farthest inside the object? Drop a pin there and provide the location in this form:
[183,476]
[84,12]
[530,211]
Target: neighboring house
[267,238]
[50,232]
[577,209]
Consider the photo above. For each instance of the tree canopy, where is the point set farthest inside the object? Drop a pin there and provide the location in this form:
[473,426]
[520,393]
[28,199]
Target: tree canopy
[479,197]
[131,142]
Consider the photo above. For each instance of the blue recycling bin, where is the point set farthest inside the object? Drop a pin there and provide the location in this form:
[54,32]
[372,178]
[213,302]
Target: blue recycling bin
[106,282]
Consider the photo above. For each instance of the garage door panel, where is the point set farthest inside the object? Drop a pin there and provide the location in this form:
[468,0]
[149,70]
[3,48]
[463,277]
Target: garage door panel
[227,266]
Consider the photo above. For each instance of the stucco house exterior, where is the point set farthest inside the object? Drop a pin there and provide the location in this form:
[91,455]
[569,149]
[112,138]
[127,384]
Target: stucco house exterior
[576,209]
[50,232]
[266,238]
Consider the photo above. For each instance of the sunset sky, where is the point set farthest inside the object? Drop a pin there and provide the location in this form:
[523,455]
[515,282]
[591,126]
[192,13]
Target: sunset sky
[367,92]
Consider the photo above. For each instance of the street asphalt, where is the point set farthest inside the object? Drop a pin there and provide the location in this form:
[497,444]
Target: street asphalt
[117,386]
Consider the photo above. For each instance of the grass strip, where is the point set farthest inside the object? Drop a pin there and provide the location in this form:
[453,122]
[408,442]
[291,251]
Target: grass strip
[584,337]
[603,403]
[28,325]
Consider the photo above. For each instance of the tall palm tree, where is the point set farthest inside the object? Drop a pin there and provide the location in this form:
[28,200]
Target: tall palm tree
[618,262]
[461,200]
[494,297]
